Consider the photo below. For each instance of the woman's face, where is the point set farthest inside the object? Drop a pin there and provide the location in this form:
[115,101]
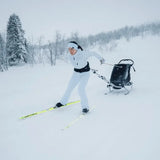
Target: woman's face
[72,51]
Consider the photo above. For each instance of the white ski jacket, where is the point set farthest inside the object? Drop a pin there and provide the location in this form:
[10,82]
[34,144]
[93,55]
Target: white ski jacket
[79,60]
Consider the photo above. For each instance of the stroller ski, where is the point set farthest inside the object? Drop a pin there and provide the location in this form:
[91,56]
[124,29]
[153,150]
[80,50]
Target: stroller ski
[120,76]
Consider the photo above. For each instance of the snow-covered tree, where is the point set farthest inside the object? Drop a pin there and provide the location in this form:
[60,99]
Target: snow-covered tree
[15,44]
[3,61]
[56,49]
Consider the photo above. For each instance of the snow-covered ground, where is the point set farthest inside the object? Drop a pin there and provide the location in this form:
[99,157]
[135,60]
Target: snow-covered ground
[121,127]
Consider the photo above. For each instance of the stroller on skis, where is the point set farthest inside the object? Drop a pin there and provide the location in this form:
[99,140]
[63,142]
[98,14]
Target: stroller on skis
[120,76]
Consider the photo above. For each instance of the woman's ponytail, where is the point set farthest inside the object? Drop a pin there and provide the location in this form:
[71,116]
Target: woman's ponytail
[79,47]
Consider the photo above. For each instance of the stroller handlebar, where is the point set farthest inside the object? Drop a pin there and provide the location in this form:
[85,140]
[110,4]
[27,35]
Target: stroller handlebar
[123,60]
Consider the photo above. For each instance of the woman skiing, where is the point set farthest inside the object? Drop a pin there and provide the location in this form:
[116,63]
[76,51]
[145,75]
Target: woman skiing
[81,74]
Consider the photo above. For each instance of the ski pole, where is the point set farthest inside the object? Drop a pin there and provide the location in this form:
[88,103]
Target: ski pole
[108,64]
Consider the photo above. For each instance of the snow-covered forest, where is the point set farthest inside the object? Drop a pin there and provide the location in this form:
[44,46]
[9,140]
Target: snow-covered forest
[16,49]
[120,127]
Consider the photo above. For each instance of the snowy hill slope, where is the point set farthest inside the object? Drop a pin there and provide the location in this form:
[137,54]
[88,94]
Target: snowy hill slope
[119,128]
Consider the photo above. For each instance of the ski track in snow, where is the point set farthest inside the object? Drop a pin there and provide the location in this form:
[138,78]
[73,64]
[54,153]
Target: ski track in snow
[120,127]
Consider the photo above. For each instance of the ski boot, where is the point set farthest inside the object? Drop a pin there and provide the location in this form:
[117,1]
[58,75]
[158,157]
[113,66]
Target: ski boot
[85,110]
[59,104]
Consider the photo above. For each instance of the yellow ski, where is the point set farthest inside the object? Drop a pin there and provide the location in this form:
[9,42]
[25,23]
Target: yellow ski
[46,110]
[76,120]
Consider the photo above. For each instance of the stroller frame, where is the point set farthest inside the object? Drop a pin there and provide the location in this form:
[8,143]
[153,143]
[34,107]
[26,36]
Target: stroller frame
[120,76]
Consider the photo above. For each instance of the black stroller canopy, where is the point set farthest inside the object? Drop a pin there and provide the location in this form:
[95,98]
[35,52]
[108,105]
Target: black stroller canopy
[120,75]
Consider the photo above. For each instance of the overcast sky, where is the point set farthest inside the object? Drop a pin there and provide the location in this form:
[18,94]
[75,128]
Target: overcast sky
[44,17]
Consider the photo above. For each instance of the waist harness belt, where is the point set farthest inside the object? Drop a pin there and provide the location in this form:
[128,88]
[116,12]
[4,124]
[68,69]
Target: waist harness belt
[84,69]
